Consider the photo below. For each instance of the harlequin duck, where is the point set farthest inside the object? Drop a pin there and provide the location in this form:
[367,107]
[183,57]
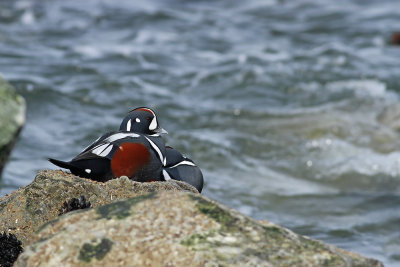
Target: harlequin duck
[136,151]
[141,120]
[181,168]
[116,154]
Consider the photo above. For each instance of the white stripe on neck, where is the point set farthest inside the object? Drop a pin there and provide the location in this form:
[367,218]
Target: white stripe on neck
[157,149]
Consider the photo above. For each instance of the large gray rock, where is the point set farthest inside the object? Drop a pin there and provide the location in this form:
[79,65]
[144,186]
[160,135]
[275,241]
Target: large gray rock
[12,118]
[23,211]
[175,229]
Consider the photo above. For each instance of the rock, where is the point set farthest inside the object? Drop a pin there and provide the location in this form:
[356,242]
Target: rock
[175,229]
[75,204]
[23,211]
[10,248]
[12,118]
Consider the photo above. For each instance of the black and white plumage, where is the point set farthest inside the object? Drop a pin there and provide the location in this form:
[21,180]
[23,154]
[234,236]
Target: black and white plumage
[138,156]
[141,120]
[137,151]
[181,168]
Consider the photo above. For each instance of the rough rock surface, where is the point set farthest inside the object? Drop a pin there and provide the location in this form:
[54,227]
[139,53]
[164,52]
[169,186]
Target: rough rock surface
[10,248]
[23,211]
[12,118]
[175,229]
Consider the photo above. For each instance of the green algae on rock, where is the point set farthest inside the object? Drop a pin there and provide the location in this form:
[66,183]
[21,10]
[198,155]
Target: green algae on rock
[26,209]
[175,229]
[98,251]
[12,118]
[121,209]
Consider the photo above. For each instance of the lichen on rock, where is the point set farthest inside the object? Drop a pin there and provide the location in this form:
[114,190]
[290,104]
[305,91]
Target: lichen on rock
[26,209]
[171,228]
[98,251]
[121,209]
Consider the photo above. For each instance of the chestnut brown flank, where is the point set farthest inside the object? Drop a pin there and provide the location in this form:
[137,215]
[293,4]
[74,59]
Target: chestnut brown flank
[129,158]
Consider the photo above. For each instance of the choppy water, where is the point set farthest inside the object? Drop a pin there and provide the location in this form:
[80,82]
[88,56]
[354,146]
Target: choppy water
[277,101]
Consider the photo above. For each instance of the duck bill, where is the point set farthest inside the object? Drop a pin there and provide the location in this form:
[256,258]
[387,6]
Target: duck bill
[162,131]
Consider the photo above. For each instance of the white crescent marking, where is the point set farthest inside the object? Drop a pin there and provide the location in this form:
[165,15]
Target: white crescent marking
[128,125]
[88,170]
[185,162]
[158,150]
[153,124]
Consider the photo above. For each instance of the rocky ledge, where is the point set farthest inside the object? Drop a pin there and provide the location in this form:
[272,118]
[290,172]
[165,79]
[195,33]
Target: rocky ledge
[12,118]
[23,211]
[149,224]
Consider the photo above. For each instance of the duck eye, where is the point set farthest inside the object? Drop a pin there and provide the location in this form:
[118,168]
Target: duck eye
[148,118]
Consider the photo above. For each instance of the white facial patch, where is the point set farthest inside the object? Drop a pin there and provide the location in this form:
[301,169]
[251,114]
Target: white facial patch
[128,126]
[88,170]
[153,124]
[137,120]
[119,136]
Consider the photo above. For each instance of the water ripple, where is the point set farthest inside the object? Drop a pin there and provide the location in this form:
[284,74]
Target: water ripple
[289,107]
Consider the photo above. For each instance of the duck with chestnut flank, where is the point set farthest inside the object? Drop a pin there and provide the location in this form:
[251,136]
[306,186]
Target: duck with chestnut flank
[136,151]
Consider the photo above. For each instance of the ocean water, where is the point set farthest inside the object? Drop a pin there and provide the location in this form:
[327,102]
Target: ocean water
[288,107]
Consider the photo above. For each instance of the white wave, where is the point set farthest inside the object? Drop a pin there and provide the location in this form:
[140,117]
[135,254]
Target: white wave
[28,18]
[88,51]
[362,88]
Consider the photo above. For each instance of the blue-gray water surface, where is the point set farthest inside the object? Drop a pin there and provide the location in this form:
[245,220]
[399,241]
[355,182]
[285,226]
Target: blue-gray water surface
[279,102]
